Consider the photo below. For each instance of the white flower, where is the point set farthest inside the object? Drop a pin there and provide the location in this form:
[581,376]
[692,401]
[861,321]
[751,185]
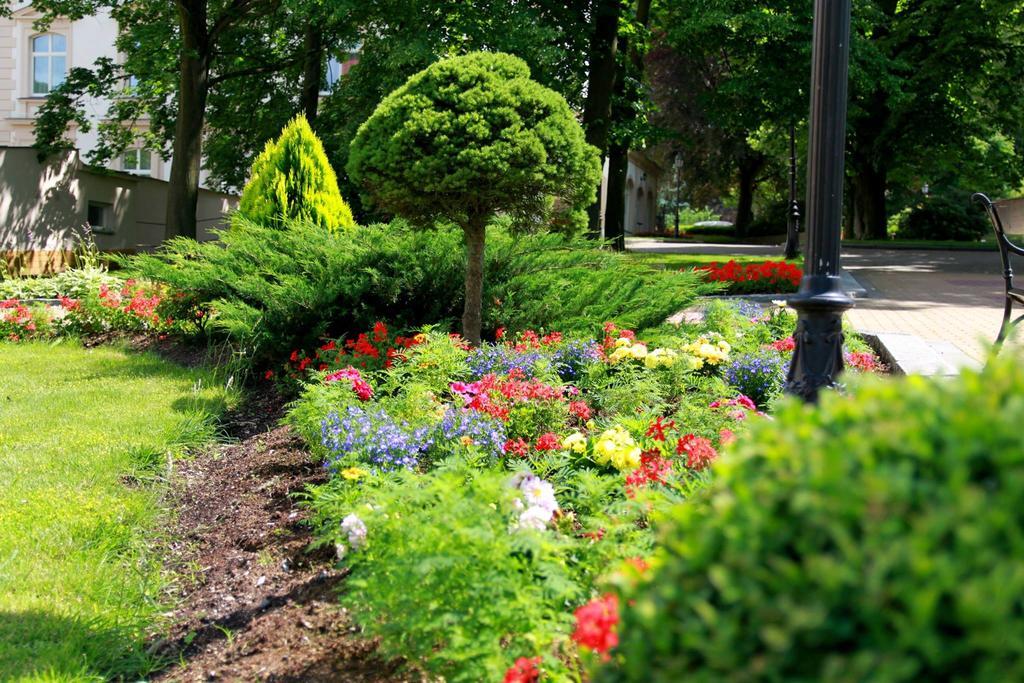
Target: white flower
[535,517]
[355,529]
[539,493]
[518,504]
[340,550]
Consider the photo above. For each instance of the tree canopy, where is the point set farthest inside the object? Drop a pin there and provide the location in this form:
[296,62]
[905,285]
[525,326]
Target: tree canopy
[469,137]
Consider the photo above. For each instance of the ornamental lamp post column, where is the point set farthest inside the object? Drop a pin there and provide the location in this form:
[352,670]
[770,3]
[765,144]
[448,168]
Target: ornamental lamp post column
[793,215]
[677,166]
[821,301]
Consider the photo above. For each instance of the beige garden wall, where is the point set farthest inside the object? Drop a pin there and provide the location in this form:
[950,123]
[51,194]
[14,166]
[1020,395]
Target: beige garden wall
[44,209]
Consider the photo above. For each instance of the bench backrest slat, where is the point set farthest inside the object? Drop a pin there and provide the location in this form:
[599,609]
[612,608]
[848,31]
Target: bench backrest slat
[1011,215]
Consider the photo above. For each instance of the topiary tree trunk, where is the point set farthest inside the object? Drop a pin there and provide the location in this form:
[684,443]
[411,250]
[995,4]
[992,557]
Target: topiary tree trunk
[475,231]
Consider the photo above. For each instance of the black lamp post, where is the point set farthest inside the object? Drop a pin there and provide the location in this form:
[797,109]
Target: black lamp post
[793,215]
[821,301]
[677,166]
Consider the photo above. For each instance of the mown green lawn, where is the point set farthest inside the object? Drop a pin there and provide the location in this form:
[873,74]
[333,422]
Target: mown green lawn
[85,437]
[679,261]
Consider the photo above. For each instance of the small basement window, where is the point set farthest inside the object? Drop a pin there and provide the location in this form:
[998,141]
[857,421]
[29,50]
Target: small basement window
[101,217]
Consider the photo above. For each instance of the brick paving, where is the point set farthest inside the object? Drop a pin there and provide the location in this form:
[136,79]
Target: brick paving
[951,296]
[939,296]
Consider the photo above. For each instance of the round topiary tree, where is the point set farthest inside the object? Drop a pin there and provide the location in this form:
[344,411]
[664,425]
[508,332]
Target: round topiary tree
[878,537]
[292,179]
[467,138]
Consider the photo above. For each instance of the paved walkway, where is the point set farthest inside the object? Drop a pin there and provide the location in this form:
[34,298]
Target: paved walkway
[939,296]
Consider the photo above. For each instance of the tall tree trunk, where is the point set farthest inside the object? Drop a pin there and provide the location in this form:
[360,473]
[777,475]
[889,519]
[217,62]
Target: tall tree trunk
[472,313]
[615,205]
[749,167]
[618,150]
[597,110]
[193,88]
[312,71]
[871,219]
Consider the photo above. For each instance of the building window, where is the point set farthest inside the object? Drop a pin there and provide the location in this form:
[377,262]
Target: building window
[49,62]
[137,162]
[101,217]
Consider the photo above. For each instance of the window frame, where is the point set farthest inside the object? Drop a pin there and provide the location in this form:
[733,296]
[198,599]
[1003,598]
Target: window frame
[138,153]
[49,55]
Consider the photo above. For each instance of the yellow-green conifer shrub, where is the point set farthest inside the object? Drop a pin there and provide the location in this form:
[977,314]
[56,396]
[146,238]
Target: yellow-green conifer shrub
[292,179]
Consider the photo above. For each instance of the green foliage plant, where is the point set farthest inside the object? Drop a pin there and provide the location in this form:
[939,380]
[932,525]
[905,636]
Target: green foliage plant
[877,536]
[944,217]
[468,138]
[292,179]
[271,291]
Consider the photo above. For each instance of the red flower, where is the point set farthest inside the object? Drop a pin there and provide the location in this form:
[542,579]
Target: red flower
[269,374]
[638,563]
[380,331]
[785,344]
[294,357]
[726,436]
[548,442]
[580,409]
[523,671]
[595,625]
[593,535]
[329,346]
[499,334]
[657,429]
[517,447]
[698,450]
[653,469]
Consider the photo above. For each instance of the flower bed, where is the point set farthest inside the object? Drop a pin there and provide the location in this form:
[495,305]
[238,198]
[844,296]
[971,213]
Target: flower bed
[102,306]
[767,277]
[486,499]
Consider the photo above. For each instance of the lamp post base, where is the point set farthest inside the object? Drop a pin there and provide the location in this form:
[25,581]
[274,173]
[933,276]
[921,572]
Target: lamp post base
[818,357]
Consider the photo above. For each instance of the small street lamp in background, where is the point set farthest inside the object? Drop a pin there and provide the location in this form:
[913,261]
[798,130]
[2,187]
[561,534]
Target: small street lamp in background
[793,215]
[677,169]
[821,301]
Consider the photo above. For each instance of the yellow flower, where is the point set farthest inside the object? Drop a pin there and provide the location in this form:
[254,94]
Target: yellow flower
[638,351]
[353,473]
[660,358]
[626,459]
[575,442]
[618,354]
[623,342]
[616,447]
[466,441]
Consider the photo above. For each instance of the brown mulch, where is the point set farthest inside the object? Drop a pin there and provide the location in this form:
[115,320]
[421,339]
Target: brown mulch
[254,603]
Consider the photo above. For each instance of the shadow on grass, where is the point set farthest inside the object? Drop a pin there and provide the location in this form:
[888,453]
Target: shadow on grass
[52,647]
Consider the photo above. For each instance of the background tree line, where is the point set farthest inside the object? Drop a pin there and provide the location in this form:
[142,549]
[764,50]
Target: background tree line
[937,87]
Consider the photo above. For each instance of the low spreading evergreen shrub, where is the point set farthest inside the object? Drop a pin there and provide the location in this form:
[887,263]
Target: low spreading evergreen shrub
[877,537]
[271,291]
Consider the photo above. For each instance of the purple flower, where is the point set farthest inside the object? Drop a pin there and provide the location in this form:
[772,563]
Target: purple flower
[500,360]
[481,429]
[375,438]
[758,375]
[571,359]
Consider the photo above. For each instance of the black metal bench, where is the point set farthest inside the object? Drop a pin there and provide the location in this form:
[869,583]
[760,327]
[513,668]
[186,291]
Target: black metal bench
[1006,250]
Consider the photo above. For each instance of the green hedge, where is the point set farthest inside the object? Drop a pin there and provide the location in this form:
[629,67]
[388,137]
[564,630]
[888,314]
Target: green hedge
[879,537]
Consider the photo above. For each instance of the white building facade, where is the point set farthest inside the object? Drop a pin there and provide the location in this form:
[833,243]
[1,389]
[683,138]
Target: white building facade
[32,63]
